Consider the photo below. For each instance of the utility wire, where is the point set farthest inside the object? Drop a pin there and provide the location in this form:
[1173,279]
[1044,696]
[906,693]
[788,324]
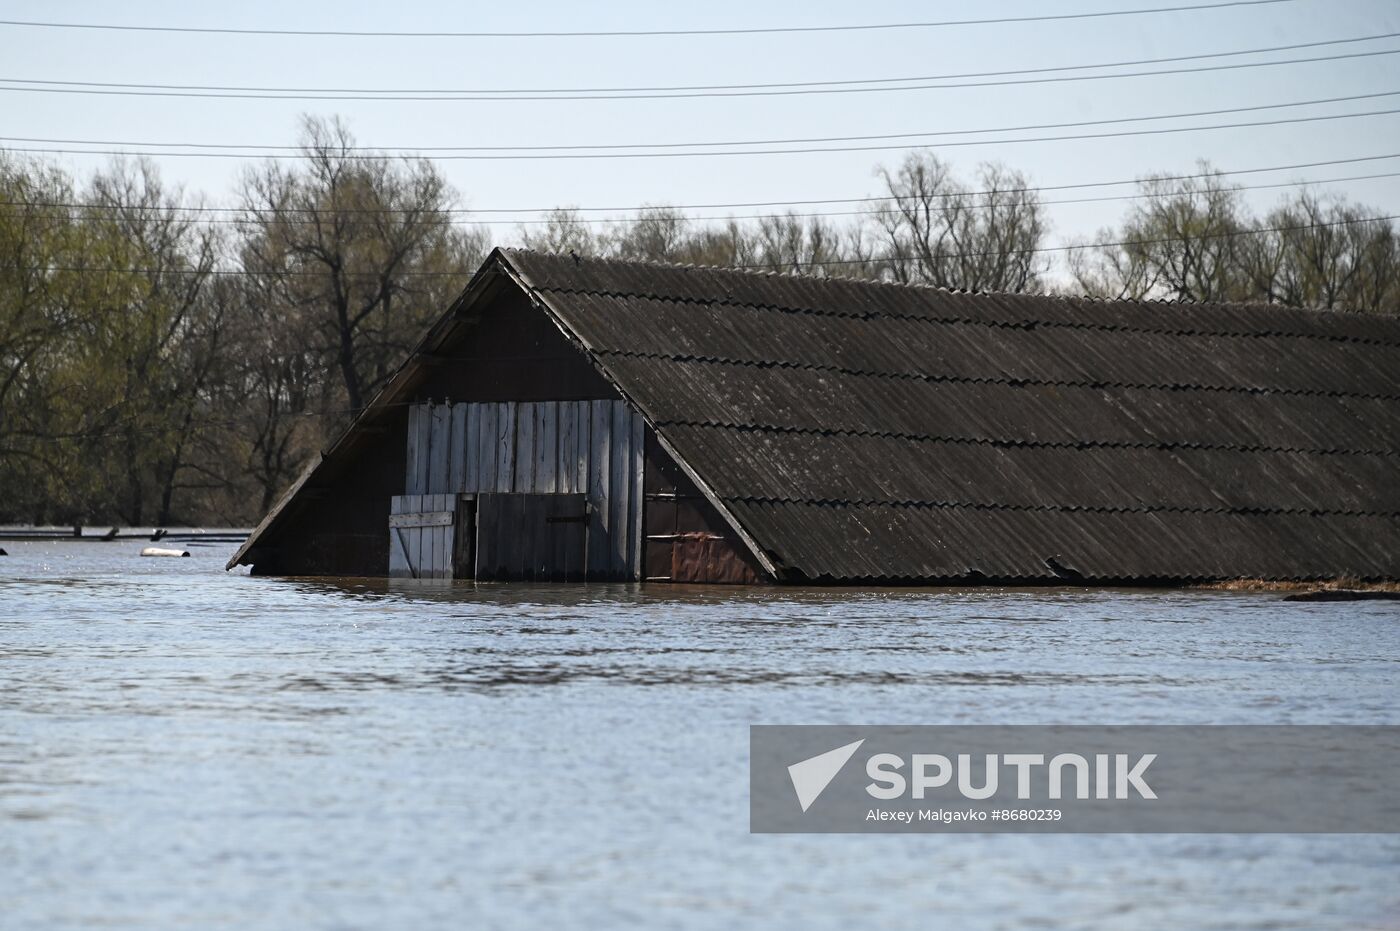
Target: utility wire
[712,87]
[720,206]
[253,217]
[533,156]
[629,33]
[216,92]
[876,260]
[615,146]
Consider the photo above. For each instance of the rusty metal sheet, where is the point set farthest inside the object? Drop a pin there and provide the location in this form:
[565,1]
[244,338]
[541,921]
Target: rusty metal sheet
[710,558]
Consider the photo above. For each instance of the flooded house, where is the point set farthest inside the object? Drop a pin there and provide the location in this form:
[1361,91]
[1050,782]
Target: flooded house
[586,419]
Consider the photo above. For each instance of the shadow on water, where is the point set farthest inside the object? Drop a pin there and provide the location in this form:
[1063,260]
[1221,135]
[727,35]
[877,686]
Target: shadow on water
[439,591]
[501,636]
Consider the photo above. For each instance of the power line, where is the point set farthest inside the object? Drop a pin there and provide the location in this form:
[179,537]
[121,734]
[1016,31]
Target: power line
[631,33]
[798,140]
[253,217]
[1081,185]
[555,155]
[714,87]
[1073,247]
[300,152]
[217,92]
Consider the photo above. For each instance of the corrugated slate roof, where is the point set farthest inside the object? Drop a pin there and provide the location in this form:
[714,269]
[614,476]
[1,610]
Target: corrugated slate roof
[866,431]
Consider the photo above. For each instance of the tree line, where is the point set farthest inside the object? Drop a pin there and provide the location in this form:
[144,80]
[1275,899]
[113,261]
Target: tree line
[164,365]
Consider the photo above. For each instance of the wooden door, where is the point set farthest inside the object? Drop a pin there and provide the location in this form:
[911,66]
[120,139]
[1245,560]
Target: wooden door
[532,537]
[422,536]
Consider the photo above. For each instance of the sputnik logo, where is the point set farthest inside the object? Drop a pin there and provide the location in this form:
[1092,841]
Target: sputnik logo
[811,776]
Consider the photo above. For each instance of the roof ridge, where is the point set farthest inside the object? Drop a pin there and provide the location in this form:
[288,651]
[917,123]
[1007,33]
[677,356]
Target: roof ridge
[1028,324]
[1249,305]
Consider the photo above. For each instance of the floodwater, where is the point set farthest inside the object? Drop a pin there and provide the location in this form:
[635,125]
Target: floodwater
[181,747]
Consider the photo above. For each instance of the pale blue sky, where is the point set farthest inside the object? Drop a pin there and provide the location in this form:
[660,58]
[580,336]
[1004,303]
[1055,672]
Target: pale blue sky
[468,62]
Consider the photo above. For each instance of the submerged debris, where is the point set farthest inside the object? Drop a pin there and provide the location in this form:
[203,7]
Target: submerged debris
[160,551]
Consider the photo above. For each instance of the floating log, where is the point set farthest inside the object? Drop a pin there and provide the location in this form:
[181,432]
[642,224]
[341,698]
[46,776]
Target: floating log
[159,551]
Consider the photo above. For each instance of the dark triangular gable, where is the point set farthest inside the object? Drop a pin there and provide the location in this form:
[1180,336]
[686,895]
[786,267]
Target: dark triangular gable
[496,343]
[492,344]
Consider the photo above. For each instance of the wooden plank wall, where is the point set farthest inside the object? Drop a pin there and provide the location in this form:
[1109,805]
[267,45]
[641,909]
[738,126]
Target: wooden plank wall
[533,447]
[420,536]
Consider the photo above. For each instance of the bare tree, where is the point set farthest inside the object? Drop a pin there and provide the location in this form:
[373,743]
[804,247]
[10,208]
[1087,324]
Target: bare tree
[728,245]
[937,231]
[564,230]
[272,391]
[1326,255]
[1181,241]
[1377,287]
[655,234]
[359,246]
[165,333]
[1111,272]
